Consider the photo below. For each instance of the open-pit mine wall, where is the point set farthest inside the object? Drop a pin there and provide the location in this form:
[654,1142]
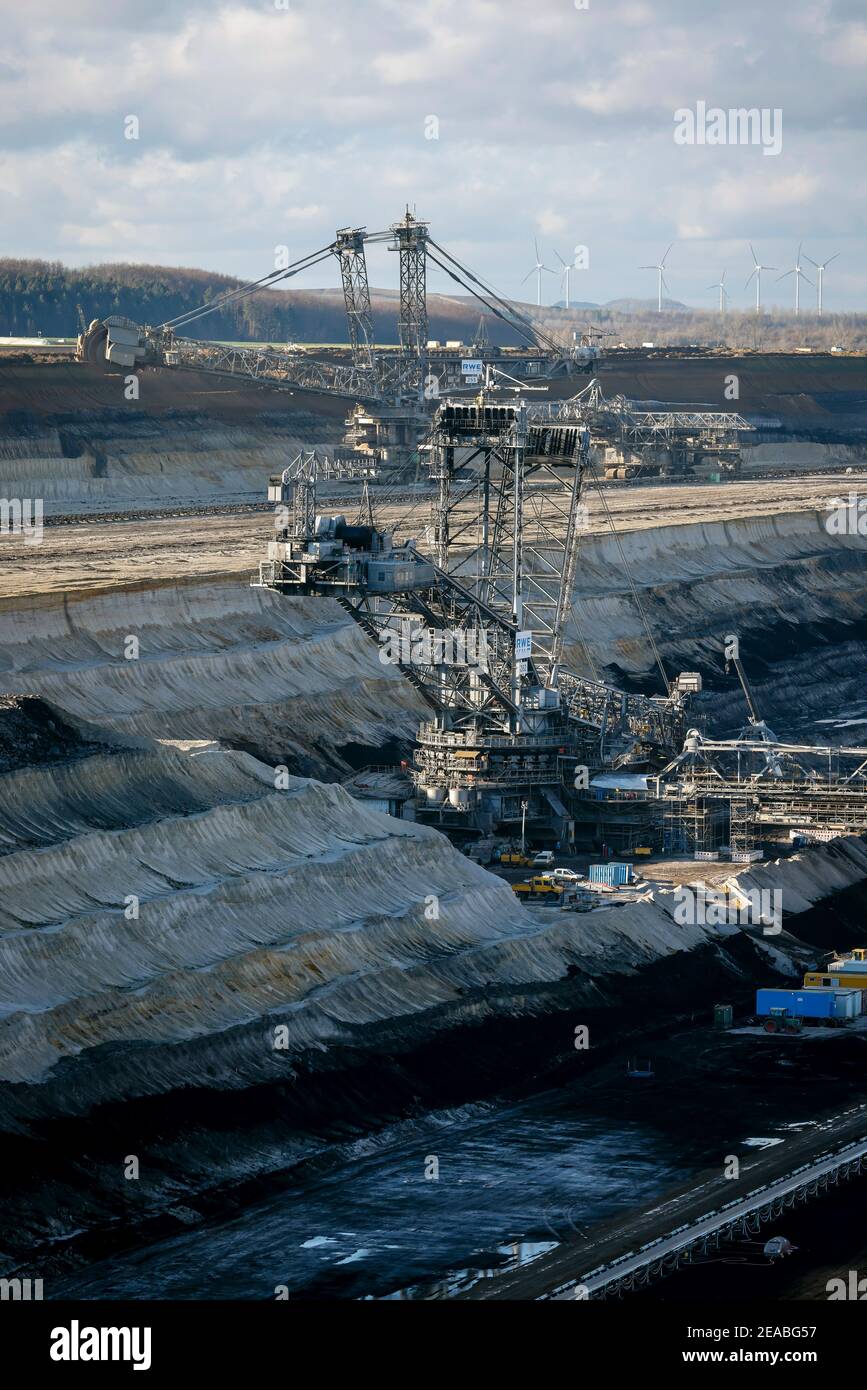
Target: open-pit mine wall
[295,681]
[170,898]
[139,463]
[794,594]
[222,976]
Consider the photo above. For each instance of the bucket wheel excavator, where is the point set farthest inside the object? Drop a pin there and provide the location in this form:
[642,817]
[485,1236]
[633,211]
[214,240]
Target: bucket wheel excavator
[477,617]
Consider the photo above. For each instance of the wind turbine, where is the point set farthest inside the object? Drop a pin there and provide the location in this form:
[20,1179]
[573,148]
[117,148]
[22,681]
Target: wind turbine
[537,269]
[821,270]
[567,272]
[798,274]
[757,271]
[723,292]
[660,278]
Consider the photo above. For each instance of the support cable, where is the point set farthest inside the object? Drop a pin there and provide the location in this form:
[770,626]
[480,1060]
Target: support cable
[514,315]
[516,324]
[241,291]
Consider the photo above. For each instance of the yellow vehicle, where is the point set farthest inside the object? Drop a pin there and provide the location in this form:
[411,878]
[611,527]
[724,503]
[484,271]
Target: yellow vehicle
[537,887]
[514,856]
[642,849]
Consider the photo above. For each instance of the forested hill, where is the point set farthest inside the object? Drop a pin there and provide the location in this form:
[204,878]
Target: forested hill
[45,298]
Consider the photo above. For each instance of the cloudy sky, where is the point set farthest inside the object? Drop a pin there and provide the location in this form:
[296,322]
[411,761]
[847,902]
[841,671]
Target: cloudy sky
[264,123]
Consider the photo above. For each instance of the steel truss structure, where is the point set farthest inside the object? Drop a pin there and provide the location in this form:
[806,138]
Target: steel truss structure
[349,249]
[394,389]
[762,784]
[370,380]
[507,730]
[634,427]
[420,599]
[410,241]
[490,482]
[508,525]
[498,743]
[710,431]
[461,694]
[287,367]
[324,468]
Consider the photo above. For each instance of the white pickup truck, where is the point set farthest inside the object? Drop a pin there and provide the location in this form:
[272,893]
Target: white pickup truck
[566,876]
[544,859]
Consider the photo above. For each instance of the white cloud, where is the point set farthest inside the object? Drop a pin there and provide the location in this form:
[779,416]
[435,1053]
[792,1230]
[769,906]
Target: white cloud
[261,126]
[550,223]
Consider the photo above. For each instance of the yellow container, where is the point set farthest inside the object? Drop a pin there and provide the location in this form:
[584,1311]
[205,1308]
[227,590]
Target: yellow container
[835,979]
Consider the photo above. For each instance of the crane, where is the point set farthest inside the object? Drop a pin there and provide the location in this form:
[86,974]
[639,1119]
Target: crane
[124,343]
[395,394]
[391,392]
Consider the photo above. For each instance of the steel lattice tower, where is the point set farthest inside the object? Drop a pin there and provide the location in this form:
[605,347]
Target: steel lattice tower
[410,240]
[356,293]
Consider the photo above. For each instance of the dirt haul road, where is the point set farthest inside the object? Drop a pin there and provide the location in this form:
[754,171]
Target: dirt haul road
[87,557]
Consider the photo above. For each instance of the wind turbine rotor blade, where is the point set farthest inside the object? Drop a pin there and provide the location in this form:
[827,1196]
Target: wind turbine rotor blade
[559,258]
[536,244]
[834,257]
[755,271]
[812,262]
[752,253]
[527,276]
[662,262]
[786,275]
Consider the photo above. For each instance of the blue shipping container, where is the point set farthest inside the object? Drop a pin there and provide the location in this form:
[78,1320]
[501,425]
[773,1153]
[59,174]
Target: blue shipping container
[798,1003]
[611,874]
